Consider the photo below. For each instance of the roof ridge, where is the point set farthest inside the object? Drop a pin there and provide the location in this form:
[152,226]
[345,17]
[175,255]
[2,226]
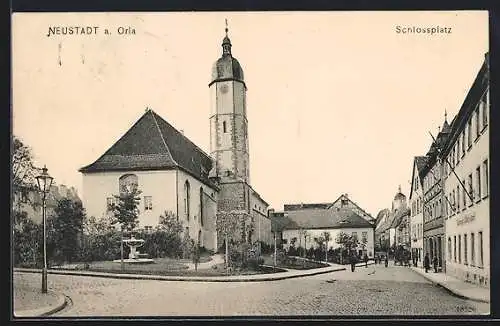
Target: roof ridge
[182,134]
[161,135]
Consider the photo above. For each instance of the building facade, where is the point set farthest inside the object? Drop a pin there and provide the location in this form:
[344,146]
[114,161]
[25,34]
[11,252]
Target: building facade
[416,211]
[466,183]
[301,227]
[342,202]
[29,200]
[434,200]
[229,146]
[170,171]
[174,175]
[392,228]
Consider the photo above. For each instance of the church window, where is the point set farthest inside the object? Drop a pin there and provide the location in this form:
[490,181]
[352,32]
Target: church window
[186,199]
[148,203]
[224,127]
[128,182]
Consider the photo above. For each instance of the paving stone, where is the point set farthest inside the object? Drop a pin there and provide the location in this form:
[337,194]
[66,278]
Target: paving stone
[375,290]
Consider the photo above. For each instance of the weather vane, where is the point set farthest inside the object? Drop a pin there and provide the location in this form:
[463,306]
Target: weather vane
[226,27]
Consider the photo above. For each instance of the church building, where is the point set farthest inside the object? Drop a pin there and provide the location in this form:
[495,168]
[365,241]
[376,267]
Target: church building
[174,175]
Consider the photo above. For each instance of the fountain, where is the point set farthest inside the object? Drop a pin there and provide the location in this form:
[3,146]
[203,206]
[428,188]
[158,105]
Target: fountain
[135,257]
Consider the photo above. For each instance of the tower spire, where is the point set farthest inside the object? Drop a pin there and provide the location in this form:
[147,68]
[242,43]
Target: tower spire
[445,115]
[399,189]
[226,43]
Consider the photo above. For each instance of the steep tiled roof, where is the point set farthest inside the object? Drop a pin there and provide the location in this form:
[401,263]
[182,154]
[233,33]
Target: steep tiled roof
[381,214]
[421,161]
[293,207]
[398,217]
[153,144]
[344,196]
[320,219]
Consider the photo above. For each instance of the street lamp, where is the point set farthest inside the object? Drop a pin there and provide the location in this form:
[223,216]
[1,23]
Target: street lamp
[44,181]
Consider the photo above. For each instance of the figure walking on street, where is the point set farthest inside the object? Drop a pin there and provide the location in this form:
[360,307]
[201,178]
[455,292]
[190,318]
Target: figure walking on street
[427,263]
[353,263]
[386,261]
[435,263]
[366,260]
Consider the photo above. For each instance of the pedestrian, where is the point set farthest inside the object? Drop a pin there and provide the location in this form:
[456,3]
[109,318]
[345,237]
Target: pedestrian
[435,263]
[386,261]
[427,263]
[365,257]
[353,263]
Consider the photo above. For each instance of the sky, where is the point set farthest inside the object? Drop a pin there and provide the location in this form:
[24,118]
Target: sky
[337,102]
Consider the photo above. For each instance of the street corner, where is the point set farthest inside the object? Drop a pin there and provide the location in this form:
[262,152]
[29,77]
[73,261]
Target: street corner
[30,302]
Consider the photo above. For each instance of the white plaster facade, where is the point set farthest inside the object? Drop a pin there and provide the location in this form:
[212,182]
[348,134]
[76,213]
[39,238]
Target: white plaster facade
[468,222]
[288,235]
[165,189]
[416,218]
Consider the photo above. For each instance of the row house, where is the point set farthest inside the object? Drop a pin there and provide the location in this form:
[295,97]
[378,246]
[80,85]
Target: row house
[450,191]
[416,210]
[466,184]
[433,199]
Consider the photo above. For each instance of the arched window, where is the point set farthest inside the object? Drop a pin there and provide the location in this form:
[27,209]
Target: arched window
[201,206]
[186,199]
[128,182]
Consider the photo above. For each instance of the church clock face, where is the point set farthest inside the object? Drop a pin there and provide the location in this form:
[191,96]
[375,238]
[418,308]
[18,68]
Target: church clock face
[224,88]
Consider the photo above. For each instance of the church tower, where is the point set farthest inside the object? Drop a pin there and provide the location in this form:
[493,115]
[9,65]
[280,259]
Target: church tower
[228,118]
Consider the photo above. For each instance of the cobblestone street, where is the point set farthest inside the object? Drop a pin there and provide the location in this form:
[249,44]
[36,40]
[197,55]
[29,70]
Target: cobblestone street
[374,290]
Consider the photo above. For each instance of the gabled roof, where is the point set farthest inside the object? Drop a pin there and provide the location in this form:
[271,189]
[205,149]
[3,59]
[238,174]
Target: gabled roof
[343,196]
[398,217]
[381,214]
[153,144]
[320,219]
[293,207]
[419,163]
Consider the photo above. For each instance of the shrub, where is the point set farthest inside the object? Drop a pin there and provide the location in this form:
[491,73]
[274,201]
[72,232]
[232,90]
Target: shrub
[253,263]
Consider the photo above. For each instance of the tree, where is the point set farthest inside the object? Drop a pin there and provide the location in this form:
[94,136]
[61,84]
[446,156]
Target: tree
[347,242]
[68,225]
[27,249]
[227,224]
[126,211]
[326,236]
[23,169]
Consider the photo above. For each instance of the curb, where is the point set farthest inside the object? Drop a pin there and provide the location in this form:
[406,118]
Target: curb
[450,290]
[183,278]
[44,311]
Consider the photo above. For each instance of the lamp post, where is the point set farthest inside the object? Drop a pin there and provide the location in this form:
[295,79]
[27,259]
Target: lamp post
[44,182]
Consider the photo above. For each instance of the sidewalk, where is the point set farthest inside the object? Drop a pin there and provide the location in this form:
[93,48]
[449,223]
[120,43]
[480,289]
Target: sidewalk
[30,302]
[456,286]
